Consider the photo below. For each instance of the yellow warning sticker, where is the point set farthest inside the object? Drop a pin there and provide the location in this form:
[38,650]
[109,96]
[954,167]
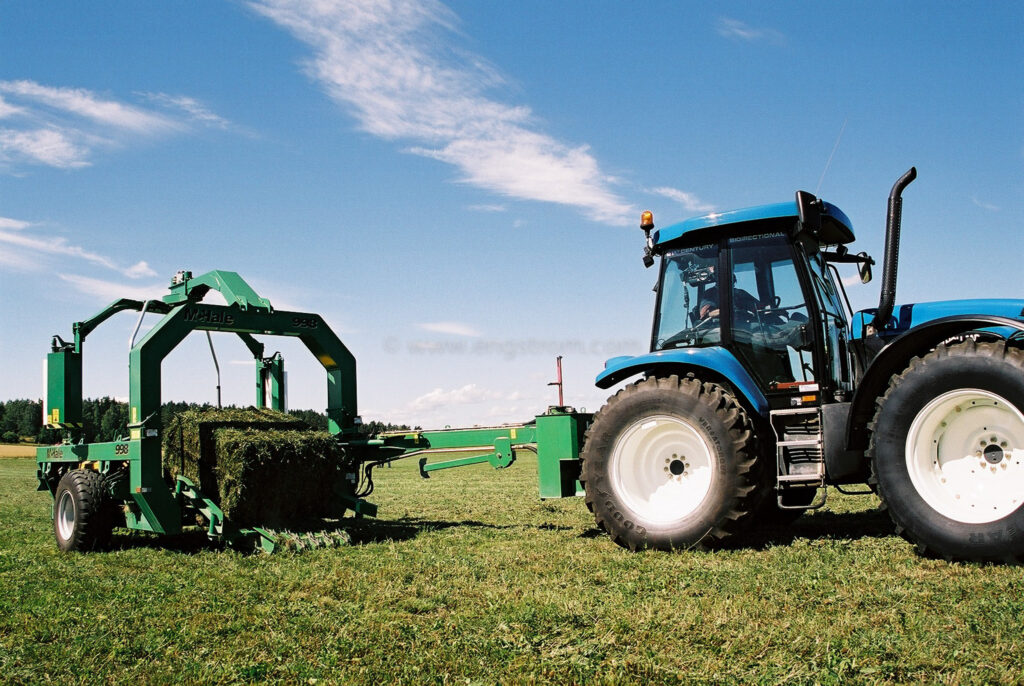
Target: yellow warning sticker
[513,433]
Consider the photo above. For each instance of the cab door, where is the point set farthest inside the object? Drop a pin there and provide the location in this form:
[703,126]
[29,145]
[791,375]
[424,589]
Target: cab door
[770,327]
[834,327]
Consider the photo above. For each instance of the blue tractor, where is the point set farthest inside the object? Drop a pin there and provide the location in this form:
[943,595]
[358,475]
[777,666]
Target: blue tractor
[762,387]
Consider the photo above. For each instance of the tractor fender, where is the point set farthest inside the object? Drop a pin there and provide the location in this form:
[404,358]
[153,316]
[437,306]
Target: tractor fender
[714,364]
[896,355]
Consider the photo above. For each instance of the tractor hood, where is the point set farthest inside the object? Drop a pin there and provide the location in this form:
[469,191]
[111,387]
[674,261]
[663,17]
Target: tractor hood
[905,317]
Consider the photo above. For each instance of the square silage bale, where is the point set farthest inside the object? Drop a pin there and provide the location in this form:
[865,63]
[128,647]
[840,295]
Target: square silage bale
[278,478]
[189,445]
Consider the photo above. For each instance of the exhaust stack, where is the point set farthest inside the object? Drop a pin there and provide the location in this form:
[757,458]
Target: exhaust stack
[887,298]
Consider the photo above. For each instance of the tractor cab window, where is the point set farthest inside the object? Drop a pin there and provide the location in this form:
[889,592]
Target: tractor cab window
[833,326]
[688,312]
[770,329]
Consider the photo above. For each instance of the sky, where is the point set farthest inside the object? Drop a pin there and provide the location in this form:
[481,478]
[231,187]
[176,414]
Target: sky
[456,187]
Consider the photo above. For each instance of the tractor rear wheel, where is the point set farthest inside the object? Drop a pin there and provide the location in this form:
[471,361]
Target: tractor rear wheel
[947,450]
[671,464]
[81,512]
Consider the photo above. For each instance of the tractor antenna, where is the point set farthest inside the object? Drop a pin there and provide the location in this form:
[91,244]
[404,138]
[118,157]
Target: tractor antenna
[830,156]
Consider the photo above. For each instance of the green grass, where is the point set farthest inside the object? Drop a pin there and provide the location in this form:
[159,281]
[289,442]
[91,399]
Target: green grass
[469,578]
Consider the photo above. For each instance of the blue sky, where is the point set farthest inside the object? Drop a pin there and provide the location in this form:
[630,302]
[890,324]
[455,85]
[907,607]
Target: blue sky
[456,186]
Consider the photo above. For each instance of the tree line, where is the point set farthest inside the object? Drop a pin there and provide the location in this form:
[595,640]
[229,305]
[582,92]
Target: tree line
[106,419]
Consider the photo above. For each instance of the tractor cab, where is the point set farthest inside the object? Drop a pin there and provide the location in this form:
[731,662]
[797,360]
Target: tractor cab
[757,283]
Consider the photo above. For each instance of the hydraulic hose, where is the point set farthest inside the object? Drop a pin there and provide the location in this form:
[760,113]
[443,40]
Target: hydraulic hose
[890,267]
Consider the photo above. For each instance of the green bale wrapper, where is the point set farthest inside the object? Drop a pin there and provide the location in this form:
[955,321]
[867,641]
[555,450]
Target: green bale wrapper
[261,467]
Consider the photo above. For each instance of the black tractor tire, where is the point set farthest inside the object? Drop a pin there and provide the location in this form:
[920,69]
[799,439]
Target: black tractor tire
[671,464]
[947,451]
[82,512]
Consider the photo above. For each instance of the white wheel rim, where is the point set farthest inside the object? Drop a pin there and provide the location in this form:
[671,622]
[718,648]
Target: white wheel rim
[66,515]
[965,456]
[661,468]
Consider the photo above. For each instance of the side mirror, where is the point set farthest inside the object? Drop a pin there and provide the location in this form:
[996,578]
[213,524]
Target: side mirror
[864,267]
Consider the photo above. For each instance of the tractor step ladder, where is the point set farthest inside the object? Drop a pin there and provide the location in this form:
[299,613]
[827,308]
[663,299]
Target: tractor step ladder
[799,462]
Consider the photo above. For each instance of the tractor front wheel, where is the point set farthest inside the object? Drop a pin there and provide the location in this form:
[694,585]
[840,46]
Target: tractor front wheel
[81,512]
[671,464]
[948,452]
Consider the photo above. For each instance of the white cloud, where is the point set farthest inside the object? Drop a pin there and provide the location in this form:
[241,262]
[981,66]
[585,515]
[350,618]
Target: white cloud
[25,250]
[984,205]
[8,110]
[437,407]
[138,270]
[439,398]
[688,200]
[88,105]
[450,328]
[387,64]
[15,224]
[195,110]
[112,290]
[852,280]
[488,208]
[63,127]
[51,147]
[735,29]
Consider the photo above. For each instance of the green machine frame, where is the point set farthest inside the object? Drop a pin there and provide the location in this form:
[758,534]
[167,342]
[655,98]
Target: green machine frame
[555,436]
[155,507]
[133,465]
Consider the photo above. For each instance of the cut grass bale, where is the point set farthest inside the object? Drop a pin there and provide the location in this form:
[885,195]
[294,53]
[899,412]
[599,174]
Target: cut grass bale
[262,468]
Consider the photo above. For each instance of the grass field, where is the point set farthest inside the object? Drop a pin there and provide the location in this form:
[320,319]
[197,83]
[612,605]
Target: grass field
[468,578]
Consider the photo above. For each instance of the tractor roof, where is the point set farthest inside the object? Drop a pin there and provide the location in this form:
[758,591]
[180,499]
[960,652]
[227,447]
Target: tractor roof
[835,226]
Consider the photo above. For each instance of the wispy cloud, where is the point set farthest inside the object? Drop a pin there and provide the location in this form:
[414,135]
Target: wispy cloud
[688,200]
[8,110]
[737,30]
[106,290]
[488,208]
[50,146]
[451,328]
[194,109]
[25,250]
[15,224]
[440,405]
[138,270]
[438,398]
[63,127]
[386,64]
[86,104]
[984,205]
